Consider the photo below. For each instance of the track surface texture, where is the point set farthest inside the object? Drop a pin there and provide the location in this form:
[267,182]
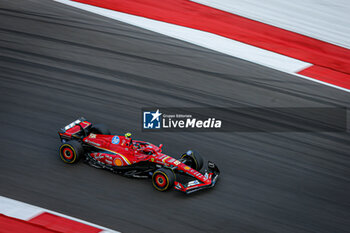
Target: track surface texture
[58,63]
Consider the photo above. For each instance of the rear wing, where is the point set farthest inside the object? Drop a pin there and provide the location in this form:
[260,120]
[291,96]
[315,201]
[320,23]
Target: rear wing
[71,125]
[74,129]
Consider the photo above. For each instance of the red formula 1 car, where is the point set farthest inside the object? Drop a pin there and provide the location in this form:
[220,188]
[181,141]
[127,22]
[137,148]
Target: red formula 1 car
[133,158]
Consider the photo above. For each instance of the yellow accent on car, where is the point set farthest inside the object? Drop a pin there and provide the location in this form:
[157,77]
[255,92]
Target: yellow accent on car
[163,160]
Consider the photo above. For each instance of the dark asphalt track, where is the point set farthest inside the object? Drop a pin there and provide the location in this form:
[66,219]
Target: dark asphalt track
[58,63]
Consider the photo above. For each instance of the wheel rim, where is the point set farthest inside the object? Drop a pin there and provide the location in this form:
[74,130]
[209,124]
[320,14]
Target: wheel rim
[160,180]
[67,153]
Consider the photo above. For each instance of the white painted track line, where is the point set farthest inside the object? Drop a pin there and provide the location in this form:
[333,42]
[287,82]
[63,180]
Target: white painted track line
[201,38]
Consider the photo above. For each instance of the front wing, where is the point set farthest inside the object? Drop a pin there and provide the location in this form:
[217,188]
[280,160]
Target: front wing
[195,185]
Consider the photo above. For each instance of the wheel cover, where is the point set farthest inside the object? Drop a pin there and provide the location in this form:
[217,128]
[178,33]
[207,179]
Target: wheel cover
[160,180]
[67,153]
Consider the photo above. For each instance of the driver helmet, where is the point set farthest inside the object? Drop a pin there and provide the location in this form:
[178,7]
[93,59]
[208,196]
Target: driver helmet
[128,138]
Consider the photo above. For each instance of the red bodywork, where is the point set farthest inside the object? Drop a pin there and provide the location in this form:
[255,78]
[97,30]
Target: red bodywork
[120,151]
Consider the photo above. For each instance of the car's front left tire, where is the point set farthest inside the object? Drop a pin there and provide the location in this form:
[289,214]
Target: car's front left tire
[71,151]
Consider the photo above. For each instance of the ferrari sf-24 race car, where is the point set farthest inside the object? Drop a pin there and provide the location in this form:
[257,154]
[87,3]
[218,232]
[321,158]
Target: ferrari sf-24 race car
[133,158]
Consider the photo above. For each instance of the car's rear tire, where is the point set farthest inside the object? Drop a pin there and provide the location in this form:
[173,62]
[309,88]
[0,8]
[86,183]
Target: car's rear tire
[71,151]
[100,129]
[163,179]
[193,159]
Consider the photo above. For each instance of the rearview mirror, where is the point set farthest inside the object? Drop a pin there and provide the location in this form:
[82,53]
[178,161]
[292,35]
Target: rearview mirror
[160,146]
